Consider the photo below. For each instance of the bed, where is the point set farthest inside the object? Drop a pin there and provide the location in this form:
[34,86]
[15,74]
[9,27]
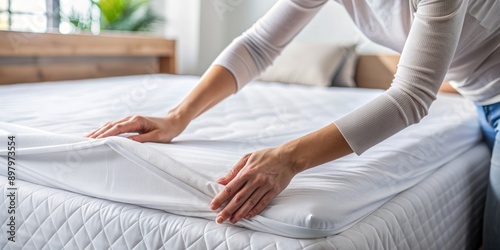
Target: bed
[421,189]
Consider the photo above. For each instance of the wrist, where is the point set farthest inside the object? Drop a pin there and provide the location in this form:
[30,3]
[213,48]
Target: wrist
[179,116]
[296,160]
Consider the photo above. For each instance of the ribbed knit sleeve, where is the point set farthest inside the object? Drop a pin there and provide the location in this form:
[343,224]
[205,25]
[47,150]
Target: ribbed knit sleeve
[427,54]
[425,59]
[251,53]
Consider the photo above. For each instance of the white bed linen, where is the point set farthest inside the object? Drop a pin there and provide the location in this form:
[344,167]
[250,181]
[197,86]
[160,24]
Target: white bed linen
[442,212]
[326,200]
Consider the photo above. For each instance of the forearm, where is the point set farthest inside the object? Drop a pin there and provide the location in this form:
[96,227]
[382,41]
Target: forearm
[258,177]
[214,86]
[316,148]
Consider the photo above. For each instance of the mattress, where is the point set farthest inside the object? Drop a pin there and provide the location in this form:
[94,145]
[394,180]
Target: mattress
[339,195]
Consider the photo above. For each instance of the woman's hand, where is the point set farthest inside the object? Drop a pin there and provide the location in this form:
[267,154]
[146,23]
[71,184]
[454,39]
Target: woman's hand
[260,176]
[252,183]
[215,85]
[150,129]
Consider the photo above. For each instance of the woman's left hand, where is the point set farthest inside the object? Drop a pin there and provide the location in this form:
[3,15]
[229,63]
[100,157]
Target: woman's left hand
[252,183]
[260,176]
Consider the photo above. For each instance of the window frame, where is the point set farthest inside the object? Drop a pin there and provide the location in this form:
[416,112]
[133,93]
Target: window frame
[51,13]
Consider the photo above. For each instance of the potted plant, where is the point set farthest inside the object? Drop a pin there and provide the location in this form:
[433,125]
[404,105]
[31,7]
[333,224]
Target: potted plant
[122,15]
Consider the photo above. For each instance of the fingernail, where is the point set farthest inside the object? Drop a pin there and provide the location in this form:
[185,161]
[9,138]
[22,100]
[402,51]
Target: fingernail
[233,220]
[213,207]
[219,220]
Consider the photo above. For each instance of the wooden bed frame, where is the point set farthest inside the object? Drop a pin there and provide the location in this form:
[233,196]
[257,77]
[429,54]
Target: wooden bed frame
[39,57]
[376,71]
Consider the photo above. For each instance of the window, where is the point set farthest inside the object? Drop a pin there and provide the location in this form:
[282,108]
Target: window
[43,15]
[4,17]
[70,16]
[27,15]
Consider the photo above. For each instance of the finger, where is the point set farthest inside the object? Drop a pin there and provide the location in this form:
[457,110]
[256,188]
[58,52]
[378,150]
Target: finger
[132,125]
[105,127]
[88,135]
[249,204]
[97,132]
[148,137]
[234,171]
[229,191]
[263,203]
[235,203]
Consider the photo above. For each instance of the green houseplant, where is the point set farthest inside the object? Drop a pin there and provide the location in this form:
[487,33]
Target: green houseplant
[123,15]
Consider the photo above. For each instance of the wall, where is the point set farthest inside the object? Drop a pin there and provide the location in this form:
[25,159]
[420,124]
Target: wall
[182,23]
[204,27]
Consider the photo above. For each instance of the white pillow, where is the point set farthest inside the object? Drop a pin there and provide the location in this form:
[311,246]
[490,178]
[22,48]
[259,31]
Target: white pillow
[307,63]
[347,70]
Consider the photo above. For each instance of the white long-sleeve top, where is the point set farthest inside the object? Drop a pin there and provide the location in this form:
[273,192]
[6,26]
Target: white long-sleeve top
[438,39]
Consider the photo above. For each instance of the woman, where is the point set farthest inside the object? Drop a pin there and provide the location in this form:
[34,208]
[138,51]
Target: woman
[454,39]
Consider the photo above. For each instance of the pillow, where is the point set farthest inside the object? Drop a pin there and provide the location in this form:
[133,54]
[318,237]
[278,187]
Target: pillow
[347,70]
[307,63]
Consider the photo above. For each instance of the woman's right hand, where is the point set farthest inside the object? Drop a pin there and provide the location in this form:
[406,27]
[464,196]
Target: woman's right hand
[150,129]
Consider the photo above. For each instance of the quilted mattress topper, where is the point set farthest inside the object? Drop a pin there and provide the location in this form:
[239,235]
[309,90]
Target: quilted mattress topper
[180,177]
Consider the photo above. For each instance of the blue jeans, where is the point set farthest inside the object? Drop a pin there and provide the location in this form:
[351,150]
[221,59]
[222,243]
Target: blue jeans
[489,117]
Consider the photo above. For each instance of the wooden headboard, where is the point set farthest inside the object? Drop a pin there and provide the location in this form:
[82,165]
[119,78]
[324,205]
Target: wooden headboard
[38,57]
[376,71]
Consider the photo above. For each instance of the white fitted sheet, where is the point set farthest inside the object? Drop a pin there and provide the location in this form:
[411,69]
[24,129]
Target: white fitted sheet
[441,212]
[326,200]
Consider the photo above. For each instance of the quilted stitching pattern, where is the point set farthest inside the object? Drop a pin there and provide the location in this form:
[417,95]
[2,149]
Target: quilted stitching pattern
[442,212]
